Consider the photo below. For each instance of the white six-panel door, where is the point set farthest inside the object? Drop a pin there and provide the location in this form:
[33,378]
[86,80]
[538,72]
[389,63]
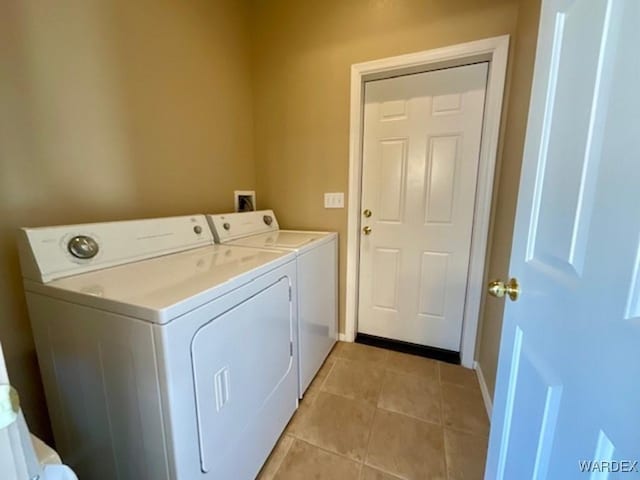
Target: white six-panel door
[566,404]
[420,159]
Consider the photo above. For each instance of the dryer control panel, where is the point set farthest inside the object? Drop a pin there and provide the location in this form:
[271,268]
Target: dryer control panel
[232,226]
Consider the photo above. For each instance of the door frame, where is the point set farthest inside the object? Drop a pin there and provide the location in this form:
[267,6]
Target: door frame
[493,50]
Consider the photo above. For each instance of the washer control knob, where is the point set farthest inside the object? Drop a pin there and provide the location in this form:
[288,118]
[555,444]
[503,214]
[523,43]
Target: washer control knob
[83,247]
[197,229]
[226,226]
[268,219]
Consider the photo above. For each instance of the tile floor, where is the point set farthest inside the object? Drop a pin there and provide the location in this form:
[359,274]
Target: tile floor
[374,414]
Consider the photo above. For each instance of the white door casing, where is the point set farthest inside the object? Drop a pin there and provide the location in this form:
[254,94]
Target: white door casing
[566,389]
[420,161]
[493,50]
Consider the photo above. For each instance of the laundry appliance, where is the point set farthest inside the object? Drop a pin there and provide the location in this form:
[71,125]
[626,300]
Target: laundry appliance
[163,356]
[317,276]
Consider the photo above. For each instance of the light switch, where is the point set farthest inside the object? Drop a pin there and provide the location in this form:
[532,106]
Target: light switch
[334,200]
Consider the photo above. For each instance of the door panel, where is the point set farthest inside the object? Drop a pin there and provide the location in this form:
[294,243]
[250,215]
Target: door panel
[393,160]
[421,148]
[572,136]
[441,179]
[433,278]
[446,104]
[569,344]
[386,269]
[632,311]
[393,110]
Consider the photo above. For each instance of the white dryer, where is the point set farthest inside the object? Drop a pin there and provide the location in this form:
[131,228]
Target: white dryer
[163,355]
[317,274]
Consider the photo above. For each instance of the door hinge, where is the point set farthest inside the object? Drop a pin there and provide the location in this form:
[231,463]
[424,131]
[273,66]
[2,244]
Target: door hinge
[290,295]
[291,349]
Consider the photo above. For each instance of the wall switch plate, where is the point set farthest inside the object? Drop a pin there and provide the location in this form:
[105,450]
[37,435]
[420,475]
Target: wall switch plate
[334,200]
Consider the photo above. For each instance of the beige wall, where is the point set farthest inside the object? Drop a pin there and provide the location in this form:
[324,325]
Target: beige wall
[301,58]
[114,109]
[507,183]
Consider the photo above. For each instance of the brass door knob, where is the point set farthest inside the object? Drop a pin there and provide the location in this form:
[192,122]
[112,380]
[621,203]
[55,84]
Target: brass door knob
[367,213]
[367,230]
[499,289]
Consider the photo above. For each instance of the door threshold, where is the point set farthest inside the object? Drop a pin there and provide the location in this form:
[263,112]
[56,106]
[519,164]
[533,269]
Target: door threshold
[448,356]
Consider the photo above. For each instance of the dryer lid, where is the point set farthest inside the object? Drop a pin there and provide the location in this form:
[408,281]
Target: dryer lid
[163,288]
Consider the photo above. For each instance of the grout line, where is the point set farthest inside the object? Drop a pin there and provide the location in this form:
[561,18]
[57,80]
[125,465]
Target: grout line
[444,455]
[358,400]
[466,387]
[461,430]
[412,417]
[326,450]
[298,437]
[403,372]
[293,439]
[431,379]
[385,363]
[324,380]
[467,432]
[366,448]
[444,443]
[373,419]
[311,401]
[392,474]
[387,354]
[383,379]
[346,397]
[336,394]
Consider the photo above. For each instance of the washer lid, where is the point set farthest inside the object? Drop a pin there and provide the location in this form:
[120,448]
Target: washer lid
[163,288]
[282,239]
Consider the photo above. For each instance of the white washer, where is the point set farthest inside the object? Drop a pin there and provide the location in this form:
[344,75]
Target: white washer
[163,355]
[317,268]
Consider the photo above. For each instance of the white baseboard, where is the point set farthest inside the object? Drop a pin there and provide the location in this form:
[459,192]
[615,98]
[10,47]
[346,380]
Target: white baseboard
[343,337]
[488,404]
